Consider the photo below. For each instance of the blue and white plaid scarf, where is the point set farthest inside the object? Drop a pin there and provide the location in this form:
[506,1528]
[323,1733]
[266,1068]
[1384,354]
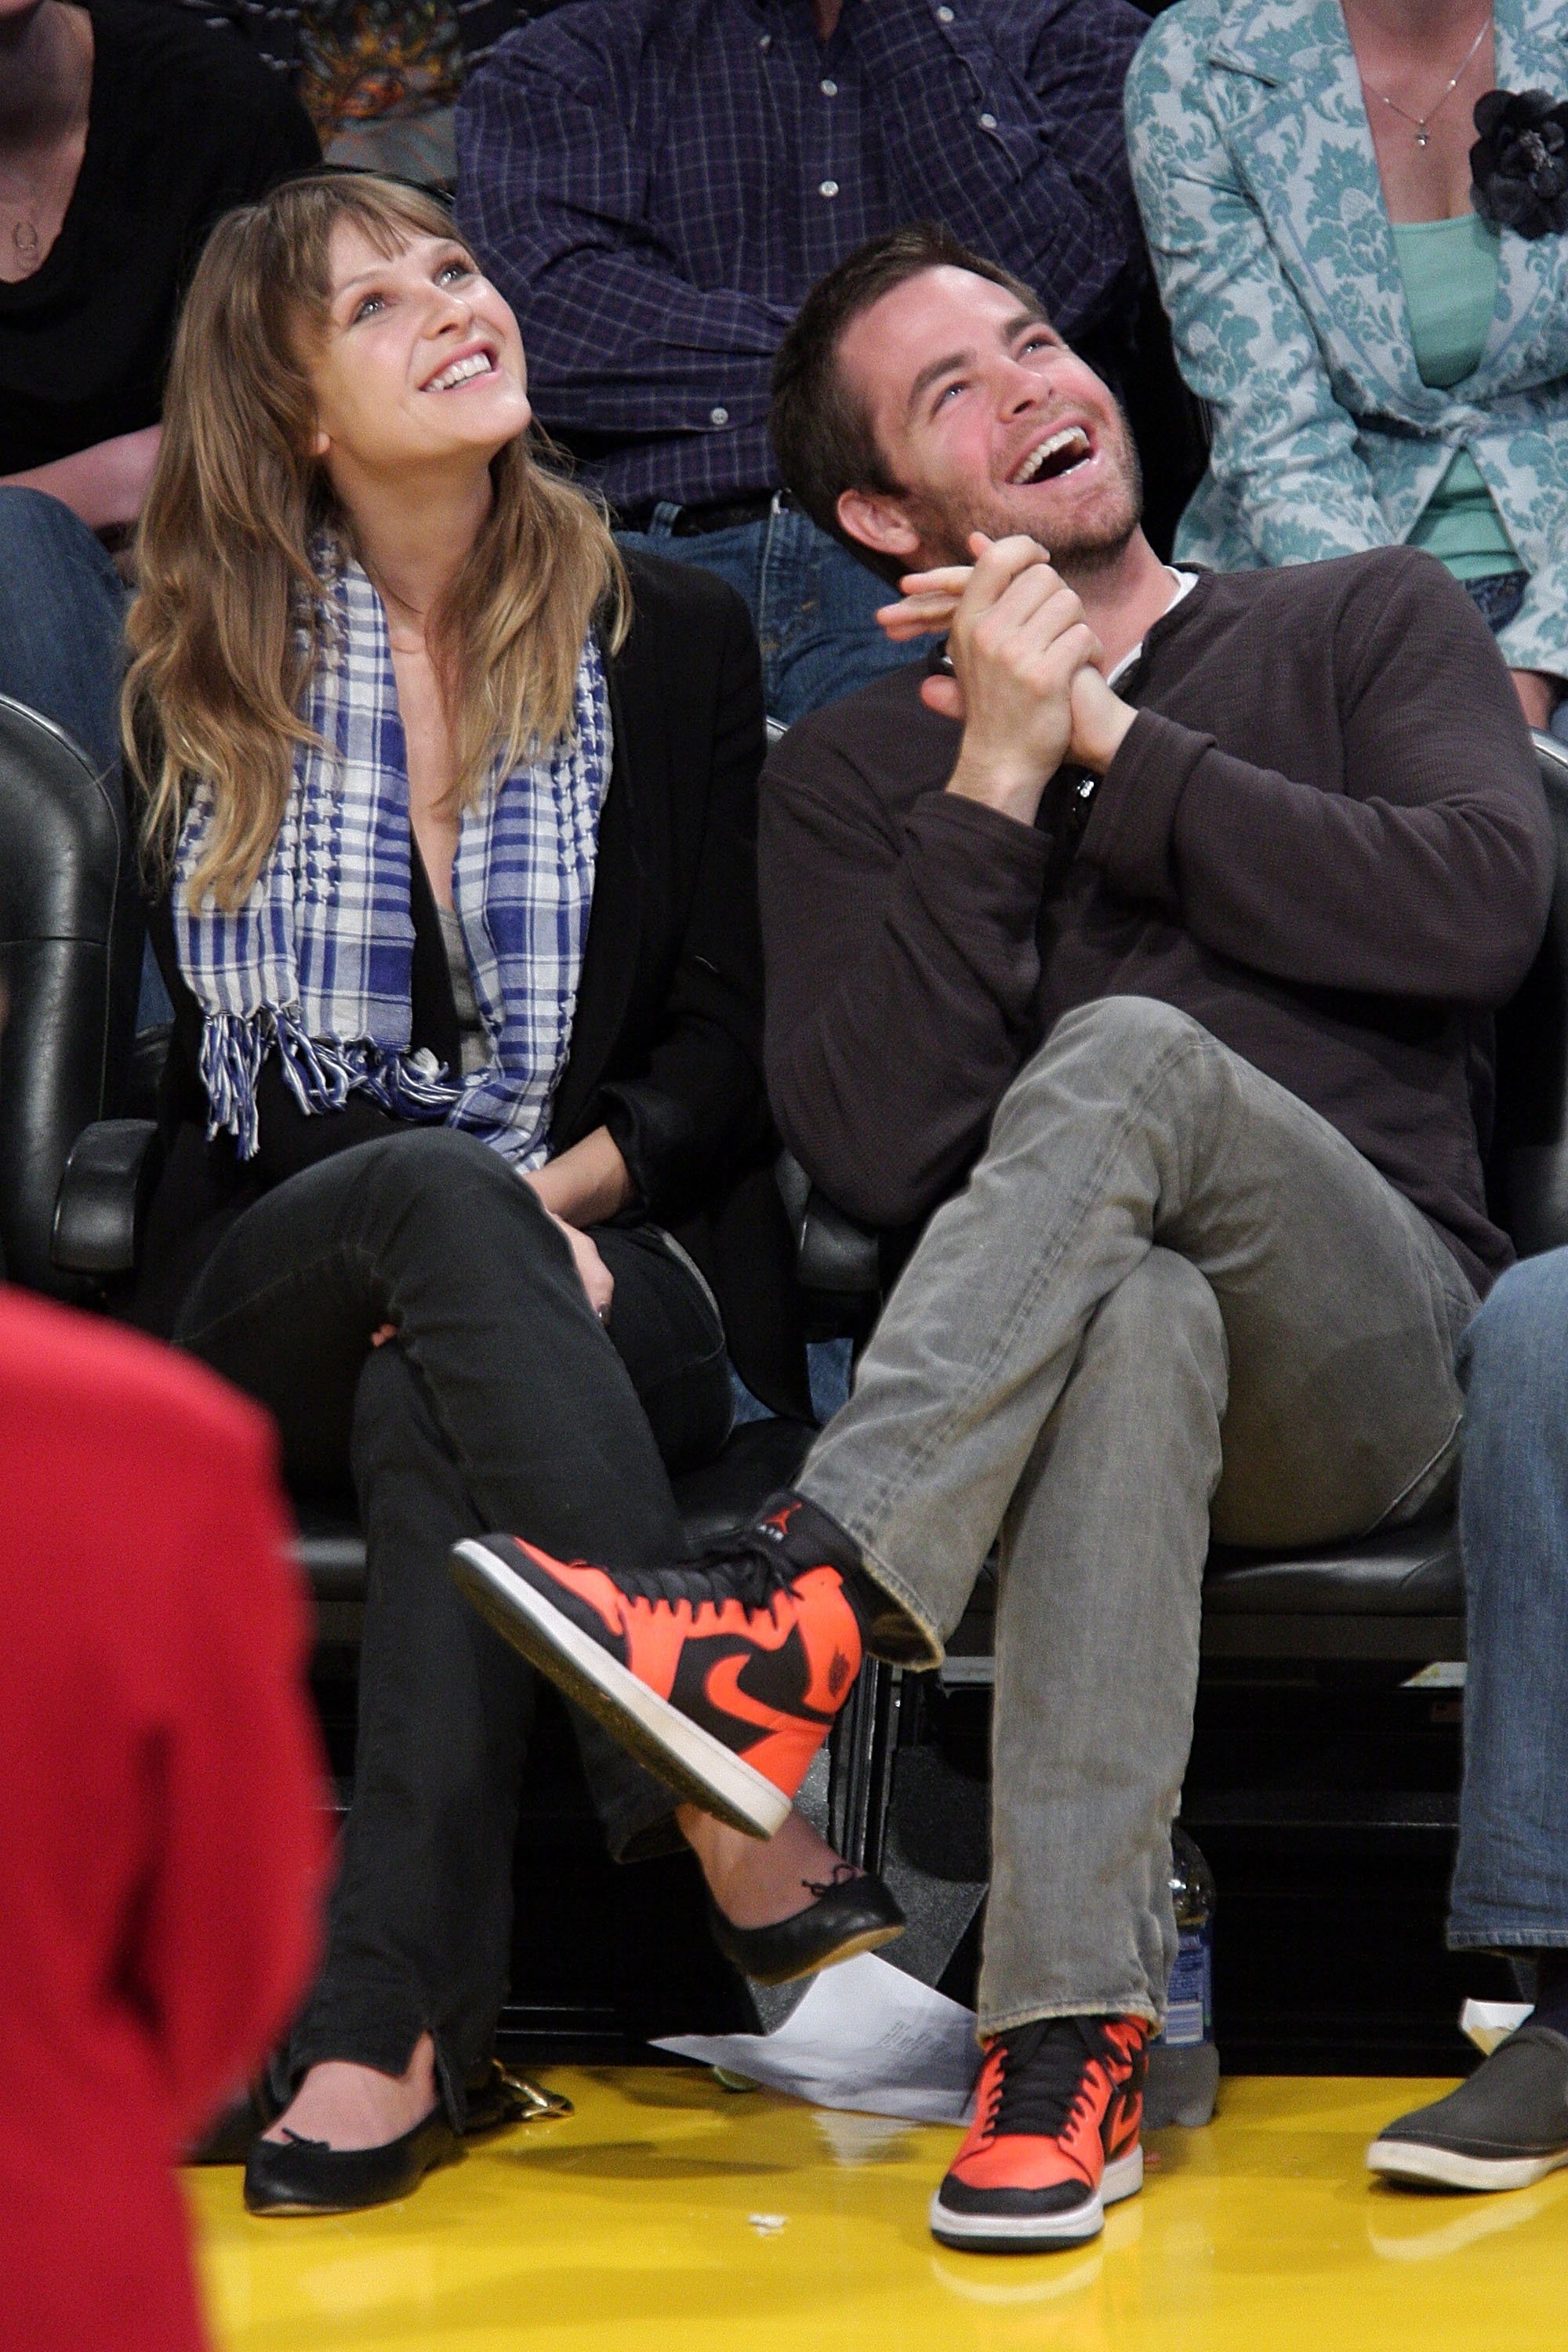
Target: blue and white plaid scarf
[317,961]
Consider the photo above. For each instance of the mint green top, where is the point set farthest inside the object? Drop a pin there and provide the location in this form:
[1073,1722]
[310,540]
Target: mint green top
[1450,271]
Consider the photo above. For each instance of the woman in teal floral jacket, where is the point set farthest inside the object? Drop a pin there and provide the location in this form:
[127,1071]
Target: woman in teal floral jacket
[1369,380]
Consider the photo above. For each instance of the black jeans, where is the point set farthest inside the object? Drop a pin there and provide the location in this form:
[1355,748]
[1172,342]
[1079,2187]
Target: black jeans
[502,1403]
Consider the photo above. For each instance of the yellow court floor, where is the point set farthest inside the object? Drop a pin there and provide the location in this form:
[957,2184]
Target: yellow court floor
[668,2212]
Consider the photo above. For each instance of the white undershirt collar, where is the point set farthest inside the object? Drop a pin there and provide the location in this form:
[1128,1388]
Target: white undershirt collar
[1185,582]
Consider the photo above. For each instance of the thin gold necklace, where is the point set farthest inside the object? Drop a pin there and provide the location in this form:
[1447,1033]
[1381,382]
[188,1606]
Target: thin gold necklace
[1421,121]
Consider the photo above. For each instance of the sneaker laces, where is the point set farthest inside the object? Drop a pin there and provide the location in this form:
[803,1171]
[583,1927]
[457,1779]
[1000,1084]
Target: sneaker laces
[742,1566]
[1042,2077]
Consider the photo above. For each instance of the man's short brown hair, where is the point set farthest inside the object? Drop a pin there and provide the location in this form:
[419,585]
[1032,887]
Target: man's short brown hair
[821,432]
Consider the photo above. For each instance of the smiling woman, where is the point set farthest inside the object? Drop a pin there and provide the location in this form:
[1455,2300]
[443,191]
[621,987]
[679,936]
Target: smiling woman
[449,816]
[306,408]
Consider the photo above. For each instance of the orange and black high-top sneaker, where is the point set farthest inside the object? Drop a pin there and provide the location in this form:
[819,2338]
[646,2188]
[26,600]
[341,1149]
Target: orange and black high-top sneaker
[723,1673]
[1054,2137]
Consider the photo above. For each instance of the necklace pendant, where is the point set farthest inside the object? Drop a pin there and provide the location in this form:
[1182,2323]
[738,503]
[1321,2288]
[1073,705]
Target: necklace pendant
[1422,139]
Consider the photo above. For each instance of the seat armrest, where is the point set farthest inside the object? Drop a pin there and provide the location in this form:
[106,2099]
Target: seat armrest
[832,1252]
[102,1199]
[836,1255]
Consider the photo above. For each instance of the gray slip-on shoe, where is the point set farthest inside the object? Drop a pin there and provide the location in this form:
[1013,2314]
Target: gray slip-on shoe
[1505,2128]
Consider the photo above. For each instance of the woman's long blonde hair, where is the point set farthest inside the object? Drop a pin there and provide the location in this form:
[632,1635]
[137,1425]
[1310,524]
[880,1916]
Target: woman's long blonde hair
[227,624]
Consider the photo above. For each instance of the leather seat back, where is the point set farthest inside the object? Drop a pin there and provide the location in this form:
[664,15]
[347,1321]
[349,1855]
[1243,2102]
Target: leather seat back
[1529,1171]
[70,945]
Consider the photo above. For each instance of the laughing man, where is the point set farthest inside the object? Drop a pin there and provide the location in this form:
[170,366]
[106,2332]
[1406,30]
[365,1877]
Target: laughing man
[1145,955]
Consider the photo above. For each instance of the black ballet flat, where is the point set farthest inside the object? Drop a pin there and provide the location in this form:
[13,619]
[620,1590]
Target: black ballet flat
[853,1915]
[306,2176]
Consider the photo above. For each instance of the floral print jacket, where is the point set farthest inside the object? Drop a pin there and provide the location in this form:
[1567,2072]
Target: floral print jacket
[1255,171]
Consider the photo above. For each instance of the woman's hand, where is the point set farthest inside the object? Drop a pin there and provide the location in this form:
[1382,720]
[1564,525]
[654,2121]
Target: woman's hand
[586,1185]
[926,604]
[596,1279]
[1539,696]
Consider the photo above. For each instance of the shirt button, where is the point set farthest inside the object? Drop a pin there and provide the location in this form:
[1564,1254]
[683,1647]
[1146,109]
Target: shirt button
[767,42]
[718,416]
[944,15]
[988,122]
[830,90]
[828,188]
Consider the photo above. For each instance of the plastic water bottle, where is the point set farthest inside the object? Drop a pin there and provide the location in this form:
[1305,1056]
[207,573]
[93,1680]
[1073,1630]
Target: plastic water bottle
[1183,2066]
[1189,2000]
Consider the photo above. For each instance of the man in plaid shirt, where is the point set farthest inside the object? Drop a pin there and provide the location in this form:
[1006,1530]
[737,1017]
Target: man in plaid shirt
[656,183]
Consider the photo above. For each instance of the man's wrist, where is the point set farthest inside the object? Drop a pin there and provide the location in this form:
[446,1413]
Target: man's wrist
[1012,787]
[1098,739]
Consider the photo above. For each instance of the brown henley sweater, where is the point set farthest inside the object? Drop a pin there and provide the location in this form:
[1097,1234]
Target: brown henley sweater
[1323,837]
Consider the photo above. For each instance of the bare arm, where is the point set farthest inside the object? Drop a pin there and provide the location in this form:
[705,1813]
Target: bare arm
[104,484]
[588,1183]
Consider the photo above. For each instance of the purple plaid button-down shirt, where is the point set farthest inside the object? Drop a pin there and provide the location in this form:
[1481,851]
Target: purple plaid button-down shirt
[655,184]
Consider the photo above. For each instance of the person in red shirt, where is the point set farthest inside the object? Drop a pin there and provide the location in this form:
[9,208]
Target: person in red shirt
[164,1836]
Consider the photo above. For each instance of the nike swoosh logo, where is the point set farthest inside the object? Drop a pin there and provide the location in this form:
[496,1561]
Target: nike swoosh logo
[722,1689]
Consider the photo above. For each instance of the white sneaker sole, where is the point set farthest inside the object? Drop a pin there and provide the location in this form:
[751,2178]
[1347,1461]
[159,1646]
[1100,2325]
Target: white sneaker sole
[1444,2168]
[1022,2234]
[689,1761]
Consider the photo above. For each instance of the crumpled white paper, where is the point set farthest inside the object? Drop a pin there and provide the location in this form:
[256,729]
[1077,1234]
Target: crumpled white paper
[866,2037]
[1488,2022]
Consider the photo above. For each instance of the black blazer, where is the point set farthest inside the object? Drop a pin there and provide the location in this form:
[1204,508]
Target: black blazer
[666,1036]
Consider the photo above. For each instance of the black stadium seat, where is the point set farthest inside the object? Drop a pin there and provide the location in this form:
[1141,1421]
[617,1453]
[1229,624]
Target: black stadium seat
[70,939]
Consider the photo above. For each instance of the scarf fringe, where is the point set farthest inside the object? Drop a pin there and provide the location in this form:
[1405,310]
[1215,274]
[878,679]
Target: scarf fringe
[319,1073]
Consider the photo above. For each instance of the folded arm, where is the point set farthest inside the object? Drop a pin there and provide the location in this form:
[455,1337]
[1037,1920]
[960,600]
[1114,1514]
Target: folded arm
[1028,166]
[552,191]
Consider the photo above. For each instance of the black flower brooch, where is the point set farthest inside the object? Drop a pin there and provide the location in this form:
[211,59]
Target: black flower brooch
[1520,163]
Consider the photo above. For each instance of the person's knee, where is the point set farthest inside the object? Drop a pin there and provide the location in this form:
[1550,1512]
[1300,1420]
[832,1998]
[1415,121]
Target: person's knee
[447,1181]
[1132,1027]
[1126,1038]
[438,1216]
[36,529]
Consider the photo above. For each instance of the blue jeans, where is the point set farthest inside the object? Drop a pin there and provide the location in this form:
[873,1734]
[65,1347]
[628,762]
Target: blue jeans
[62,619]
[62,609]
[813,604]
[1497,598]
[1510,1881]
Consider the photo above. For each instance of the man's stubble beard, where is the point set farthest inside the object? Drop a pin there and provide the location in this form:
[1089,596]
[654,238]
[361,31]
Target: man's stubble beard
[944,529]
